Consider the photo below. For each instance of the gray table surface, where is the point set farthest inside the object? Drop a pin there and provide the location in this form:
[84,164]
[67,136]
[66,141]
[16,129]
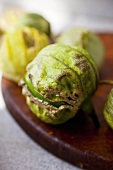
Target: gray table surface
[20,152]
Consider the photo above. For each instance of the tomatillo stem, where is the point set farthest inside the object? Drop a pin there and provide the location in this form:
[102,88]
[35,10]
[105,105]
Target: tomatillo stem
[109,82]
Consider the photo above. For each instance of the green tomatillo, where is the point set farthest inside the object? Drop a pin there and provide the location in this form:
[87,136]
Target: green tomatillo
[85,39]
[18,48]
[60,81]
[108,109]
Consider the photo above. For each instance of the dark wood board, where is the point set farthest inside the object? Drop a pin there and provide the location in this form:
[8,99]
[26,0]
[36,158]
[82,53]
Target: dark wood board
[76,141]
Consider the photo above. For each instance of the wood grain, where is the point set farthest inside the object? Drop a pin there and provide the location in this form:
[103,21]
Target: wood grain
[76,141]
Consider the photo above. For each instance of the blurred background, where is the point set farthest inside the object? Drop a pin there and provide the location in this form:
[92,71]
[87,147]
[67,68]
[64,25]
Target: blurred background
[63,14]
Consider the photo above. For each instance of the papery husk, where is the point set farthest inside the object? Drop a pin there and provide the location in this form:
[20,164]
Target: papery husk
[18,48]
[63,74]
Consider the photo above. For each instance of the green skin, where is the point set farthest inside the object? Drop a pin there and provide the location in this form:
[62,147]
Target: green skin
[59,81]
[85,39]
[18,49]
[34,20]
[108,109]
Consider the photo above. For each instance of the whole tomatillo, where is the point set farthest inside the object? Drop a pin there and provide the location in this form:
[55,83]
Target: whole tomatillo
[58,83]
[108,109]
[18,48]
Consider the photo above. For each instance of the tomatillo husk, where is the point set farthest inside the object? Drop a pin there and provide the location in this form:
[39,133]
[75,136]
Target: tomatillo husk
[34,20]
[108,109]
[13,19]
[18,48]
[85,39]
[58,82]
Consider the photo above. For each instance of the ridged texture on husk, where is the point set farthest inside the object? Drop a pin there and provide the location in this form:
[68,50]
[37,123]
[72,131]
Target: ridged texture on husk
[18,48]
[63,74]
[85,39]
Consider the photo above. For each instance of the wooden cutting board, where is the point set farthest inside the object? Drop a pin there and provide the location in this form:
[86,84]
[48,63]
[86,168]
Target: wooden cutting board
[76,141]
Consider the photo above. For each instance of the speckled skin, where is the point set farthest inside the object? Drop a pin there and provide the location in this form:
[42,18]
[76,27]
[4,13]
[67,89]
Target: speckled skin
[61,74]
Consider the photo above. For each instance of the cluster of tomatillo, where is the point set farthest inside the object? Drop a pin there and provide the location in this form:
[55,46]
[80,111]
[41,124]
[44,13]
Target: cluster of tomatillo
[58,74]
